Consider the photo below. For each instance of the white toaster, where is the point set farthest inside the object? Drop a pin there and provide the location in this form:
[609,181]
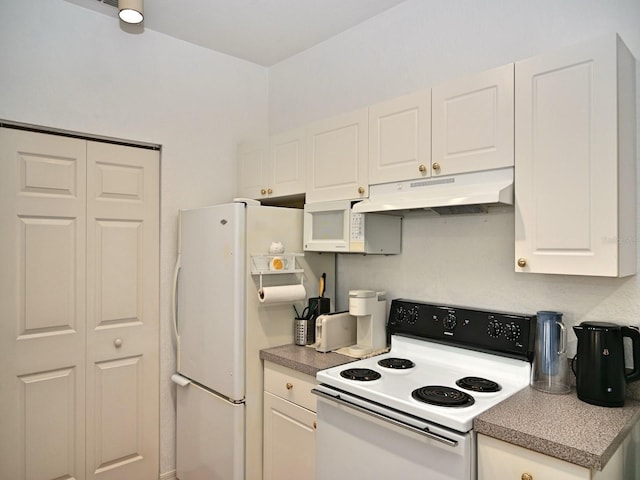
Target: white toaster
[335,330]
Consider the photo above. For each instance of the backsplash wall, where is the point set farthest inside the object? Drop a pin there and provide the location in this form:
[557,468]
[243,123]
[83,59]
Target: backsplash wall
[468,260]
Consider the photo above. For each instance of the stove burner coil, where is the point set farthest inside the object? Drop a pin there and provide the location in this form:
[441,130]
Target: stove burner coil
[396,363]
[360,374]
[478,384]
[443,396]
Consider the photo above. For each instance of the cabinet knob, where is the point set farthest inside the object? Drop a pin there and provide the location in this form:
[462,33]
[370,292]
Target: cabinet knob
[289,385]
[522,262]
[315,425]
[422,168]
[526,476]
[263,191]
[361,190]
[436,166]
[117,342]
[269,191]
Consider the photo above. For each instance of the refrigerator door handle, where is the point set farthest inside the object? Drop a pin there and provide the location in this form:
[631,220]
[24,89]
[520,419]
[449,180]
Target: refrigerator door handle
[174,297]
[180,380]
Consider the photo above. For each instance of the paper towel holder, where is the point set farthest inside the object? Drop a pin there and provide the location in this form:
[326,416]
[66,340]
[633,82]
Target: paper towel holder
[260,265]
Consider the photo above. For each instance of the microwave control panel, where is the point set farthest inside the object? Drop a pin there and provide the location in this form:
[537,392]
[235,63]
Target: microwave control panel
[357,227]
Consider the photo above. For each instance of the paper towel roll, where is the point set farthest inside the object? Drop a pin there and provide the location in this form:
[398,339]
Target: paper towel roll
[283,293]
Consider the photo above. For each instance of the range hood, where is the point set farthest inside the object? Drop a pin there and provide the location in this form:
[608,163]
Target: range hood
[461,193]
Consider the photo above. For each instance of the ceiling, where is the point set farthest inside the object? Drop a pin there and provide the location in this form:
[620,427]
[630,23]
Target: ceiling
[260,31]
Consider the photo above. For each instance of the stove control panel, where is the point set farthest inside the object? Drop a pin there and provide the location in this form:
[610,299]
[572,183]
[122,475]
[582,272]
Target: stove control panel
[509,334]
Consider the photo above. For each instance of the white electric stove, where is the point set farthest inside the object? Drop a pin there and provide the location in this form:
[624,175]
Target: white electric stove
[412,409]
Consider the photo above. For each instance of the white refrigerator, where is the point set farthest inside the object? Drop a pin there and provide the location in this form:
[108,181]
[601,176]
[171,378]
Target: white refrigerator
[221,325]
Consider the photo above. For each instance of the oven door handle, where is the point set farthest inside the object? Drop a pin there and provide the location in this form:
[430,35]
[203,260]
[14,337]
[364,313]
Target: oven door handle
[422,431]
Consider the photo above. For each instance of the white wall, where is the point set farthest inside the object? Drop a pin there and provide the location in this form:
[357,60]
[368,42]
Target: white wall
[421,43]
[464,260]
[68,67]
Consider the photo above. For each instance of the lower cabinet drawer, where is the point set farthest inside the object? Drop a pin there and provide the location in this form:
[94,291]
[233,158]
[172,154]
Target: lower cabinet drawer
[290,385]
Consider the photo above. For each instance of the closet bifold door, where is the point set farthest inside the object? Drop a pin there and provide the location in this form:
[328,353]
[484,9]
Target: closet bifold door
[122,312]
[42,305]
[79,334]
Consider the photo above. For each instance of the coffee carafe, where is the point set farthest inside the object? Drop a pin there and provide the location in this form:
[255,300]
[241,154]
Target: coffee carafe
[550,371]
[599,363]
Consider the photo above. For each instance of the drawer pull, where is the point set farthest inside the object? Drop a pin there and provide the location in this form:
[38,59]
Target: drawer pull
[315,425]
[526,476]
[289,385]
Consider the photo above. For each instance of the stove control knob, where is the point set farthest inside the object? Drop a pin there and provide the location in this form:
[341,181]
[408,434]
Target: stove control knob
[397,317]
[494,328]
[511,331]
[450,321]
[412,316]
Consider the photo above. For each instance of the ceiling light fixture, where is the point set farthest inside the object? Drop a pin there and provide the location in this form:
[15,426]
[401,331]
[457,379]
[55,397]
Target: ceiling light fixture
[131,11]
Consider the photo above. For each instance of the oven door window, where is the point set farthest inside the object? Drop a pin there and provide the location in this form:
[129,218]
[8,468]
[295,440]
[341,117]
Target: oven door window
[352,444]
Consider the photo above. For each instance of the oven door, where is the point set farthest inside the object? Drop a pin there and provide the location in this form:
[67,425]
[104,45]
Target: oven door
[358,439]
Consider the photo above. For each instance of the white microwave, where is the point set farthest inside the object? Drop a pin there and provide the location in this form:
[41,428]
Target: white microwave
[334,227]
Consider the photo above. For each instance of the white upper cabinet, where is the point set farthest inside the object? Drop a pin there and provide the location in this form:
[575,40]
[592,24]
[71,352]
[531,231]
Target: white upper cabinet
[287,162]
[575,167]
[400,138]
[273,167]
[253,165]
[337,160]
[472,123]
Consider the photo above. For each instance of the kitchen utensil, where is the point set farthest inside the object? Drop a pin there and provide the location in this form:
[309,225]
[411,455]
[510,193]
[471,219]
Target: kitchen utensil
[599,364]
[550,371]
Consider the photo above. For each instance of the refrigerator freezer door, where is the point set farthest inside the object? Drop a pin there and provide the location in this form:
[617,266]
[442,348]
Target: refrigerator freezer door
[210,436]
[211,292]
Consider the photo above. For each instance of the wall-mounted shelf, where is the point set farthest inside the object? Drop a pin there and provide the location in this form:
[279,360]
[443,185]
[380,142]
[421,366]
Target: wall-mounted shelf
[261,264]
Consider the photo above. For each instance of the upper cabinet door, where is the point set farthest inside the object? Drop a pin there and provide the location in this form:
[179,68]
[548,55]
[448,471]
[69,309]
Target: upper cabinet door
[286,171]
[575,177]
[400,138]
[472,123]
[337,163]
[253,164]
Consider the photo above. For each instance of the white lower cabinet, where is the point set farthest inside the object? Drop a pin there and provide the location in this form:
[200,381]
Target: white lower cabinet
[289,424]
[498,460]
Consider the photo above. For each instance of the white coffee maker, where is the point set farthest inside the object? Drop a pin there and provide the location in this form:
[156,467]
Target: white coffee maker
[369,308]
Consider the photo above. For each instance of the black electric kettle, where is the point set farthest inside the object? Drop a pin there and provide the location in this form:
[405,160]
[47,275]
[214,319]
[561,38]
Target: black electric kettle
[599,363]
